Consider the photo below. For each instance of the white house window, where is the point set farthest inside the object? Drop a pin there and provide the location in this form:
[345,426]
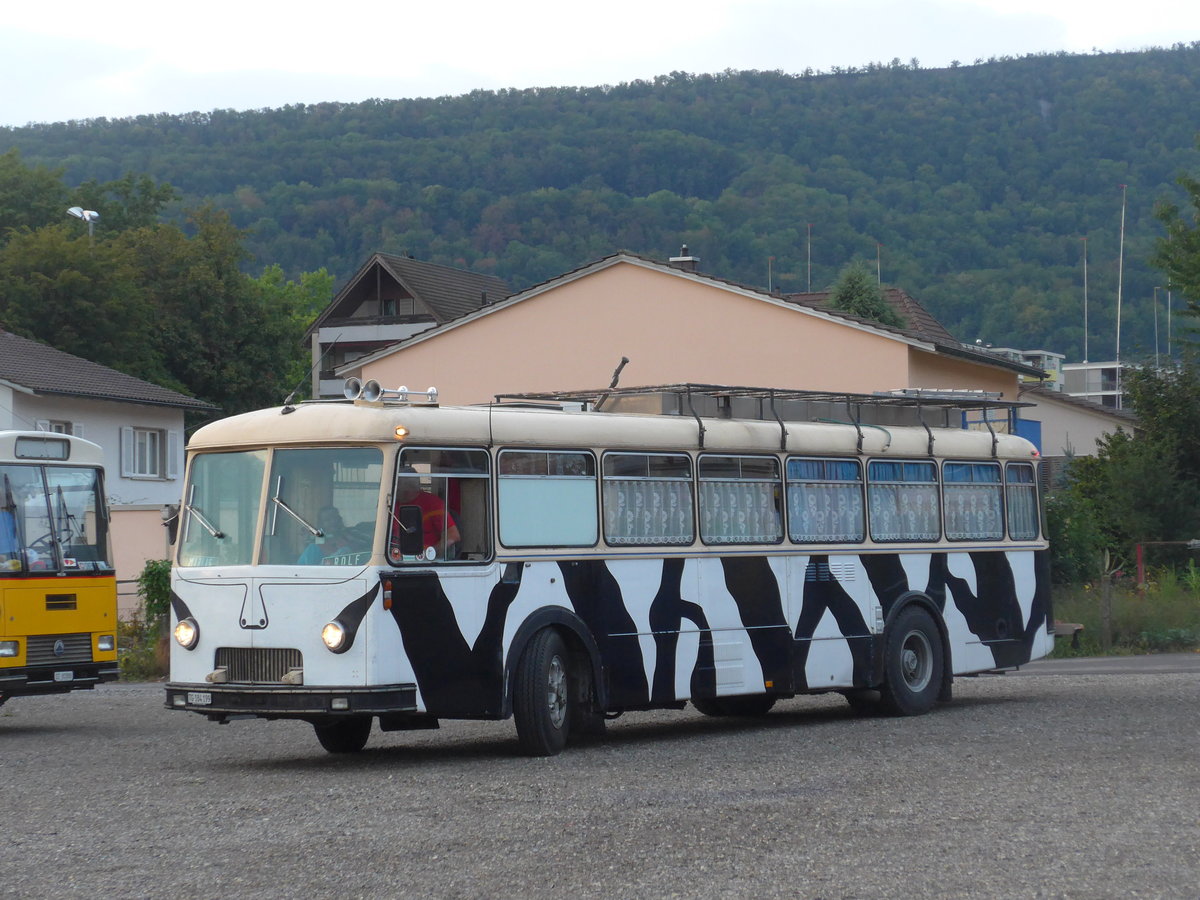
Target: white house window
[60,426]
[148,453]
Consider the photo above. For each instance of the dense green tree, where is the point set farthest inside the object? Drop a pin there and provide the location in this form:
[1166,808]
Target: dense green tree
[30,196]
[78,295]
[1178,253]
[858,292]
[1141,485]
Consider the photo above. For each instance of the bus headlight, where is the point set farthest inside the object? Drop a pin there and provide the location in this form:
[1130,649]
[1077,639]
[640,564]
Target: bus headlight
[106,643]
[334,636]
[9,648]
[187,633]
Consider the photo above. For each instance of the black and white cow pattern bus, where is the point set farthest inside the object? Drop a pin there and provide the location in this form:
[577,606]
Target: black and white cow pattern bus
[343,563]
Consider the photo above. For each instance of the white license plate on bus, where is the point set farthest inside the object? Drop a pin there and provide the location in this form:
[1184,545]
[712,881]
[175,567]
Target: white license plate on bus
[199,698]
[64,676]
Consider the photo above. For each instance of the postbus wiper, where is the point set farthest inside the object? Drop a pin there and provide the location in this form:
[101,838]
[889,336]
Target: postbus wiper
[203,521]
[297,516]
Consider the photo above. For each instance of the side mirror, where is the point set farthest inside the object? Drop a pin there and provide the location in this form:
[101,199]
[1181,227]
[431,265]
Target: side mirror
[170,516]
[412,530]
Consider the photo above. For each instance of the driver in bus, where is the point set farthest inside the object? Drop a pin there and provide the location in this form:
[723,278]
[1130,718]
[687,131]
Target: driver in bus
[438,525]
[335,541]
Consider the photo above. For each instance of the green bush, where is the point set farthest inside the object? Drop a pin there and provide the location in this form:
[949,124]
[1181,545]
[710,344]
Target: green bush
[141,640]
[154,587]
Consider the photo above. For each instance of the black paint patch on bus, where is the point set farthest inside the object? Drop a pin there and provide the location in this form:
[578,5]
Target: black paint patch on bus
[752,584]
[596,597]
[822,591]
[351,617]
[888,579]
[668,611]
[455,679]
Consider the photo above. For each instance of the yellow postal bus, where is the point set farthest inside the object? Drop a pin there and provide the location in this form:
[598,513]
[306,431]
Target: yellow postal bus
[58,589]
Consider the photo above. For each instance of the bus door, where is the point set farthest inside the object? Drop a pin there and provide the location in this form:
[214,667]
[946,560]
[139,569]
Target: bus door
[448,603]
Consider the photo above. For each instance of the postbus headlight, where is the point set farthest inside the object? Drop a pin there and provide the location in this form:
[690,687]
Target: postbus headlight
[187,633]
[9,648]
[106,643]
[334,636]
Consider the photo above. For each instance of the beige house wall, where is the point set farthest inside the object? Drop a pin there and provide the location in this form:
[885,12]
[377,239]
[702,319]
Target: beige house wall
[927,370]
[671,327]
[138,535]
[1067,427]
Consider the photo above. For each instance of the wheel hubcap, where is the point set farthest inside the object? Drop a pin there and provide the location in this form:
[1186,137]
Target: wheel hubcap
[557,692]
[916,661]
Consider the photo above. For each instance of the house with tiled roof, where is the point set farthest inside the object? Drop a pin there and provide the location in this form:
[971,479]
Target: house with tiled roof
[675,324]
[388,299]
[139,425]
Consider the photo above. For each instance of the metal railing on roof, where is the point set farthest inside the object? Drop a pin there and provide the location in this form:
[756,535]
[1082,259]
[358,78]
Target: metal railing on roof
[742,402]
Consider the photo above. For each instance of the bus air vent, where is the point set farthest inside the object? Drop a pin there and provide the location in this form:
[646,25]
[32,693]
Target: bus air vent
[60,601]
[258,665]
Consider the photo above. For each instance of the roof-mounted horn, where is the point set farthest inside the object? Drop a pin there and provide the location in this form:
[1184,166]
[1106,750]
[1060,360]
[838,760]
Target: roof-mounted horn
[372,392]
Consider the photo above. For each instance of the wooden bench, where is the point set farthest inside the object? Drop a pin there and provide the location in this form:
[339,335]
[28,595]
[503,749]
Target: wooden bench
[1068,629]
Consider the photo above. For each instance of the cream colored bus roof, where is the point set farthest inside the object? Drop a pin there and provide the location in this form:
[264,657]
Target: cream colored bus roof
[346,422]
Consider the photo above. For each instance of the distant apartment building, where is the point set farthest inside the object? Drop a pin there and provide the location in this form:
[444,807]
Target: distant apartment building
[1048,361]
[1099,382]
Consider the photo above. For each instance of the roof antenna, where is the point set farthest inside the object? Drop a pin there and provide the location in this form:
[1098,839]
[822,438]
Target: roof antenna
[613,384]
[287,404]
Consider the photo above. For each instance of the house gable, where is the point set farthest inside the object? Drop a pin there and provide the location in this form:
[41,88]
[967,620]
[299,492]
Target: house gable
[673,326]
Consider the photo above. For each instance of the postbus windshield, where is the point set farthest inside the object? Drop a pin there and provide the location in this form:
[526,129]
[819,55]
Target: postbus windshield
[317,506]
[52,518]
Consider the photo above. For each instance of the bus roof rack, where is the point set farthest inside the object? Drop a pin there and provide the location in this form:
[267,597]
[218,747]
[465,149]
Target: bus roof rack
[906,406]
[597,398]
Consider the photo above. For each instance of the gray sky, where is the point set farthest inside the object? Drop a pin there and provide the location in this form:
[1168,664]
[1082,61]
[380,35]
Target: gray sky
[78,60]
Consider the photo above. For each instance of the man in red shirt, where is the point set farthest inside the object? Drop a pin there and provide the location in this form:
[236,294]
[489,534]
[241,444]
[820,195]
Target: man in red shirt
[440,530]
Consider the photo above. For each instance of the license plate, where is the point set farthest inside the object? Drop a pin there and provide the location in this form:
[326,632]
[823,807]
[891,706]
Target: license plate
[199,698]
[64,676]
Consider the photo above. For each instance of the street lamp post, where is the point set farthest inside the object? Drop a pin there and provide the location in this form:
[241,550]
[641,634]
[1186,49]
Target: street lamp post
[88,215]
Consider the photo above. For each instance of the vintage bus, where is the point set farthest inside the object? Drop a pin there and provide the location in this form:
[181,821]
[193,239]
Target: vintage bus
[58,589]
[564,558]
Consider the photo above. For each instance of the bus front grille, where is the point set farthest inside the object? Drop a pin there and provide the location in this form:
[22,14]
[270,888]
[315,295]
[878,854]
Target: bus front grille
[258,665]
[57,649]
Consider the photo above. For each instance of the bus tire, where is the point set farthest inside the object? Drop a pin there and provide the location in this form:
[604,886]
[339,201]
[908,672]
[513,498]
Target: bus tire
[913,665]
[709,706]
[542,695]
[347,735]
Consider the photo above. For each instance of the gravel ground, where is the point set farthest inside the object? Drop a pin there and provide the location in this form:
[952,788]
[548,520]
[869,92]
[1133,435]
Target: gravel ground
[1056,785]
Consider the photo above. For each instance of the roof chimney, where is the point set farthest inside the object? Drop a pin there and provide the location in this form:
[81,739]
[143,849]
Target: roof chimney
[684,260]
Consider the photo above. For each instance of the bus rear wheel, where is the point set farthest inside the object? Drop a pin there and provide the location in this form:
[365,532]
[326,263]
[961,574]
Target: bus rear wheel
[542,696]
[344,735]
[914,665]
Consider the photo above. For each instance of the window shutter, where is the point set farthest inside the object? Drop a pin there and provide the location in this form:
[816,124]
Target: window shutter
[172,454]
[42,425]
[77,429]
[127,450]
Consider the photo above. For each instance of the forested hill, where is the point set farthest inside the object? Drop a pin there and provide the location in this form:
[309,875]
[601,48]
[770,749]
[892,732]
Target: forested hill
[974,184]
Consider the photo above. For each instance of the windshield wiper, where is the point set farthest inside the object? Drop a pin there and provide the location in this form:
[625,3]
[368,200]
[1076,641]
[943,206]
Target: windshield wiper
[203,521]
[316,532]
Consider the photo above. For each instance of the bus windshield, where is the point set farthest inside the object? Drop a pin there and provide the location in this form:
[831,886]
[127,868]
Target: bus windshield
[319,507]
[52,518]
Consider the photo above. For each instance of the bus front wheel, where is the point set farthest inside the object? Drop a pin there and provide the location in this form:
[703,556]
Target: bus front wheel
[541,695]
[344,735]
[914,664]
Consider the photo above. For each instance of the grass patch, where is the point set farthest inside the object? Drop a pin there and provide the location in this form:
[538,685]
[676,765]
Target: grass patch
[1163,617]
